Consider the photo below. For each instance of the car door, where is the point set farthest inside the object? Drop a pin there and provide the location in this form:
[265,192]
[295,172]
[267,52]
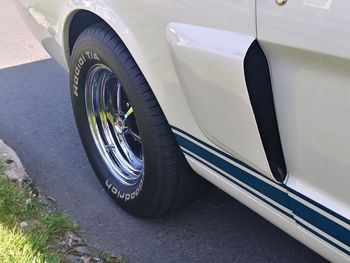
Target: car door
[307,46]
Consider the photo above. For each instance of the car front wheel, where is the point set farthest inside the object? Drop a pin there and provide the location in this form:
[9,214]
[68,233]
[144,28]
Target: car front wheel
[123,129]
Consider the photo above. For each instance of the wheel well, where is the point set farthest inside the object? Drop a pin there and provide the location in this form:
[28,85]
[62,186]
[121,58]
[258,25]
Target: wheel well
[80,21]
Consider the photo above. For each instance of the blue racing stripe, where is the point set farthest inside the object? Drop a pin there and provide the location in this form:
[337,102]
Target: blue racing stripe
[257,184]
[323,238]
[306,213]
[271,204]
[240,185]
[219,152]
[327,210]
[321,222]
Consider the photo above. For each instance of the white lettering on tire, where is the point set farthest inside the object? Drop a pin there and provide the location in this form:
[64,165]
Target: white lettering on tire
[124,196]
[87,55]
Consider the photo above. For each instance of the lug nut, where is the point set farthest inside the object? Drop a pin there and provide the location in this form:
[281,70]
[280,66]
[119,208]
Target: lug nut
[281,2]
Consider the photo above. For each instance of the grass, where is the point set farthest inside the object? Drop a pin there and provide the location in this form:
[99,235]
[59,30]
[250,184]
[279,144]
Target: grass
[17,247]
[30,241]
[2,168]
[29,227]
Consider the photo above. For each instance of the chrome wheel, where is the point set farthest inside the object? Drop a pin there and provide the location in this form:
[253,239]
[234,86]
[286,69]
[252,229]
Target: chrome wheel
[113,125]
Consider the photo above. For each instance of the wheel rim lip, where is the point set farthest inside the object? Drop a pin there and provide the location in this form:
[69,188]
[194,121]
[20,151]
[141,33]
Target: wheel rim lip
[116,152]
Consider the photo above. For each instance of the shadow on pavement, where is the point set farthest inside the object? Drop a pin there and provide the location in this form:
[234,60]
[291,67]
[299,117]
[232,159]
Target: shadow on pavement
[36,120]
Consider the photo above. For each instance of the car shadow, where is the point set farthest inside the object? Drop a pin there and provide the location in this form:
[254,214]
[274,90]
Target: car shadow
[37,121]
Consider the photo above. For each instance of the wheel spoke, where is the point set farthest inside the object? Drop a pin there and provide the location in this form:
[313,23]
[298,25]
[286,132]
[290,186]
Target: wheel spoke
[131,157]
[129,112]
[135,136]
[119,97]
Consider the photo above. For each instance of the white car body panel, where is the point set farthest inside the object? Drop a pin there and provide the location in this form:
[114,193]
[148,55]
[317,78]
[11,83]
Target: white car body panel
[209,64]
[310,77]
[313,204]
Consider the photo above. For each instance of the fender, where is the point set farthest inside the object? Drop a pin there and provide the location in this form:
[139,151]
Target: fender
[234,110]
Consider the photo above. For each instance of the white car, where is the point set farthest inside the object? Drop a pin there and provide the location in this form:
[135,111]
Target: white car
[252,95]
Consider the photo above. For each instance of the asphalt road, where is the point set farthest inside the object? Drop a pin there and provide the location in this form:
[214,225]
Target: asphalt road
[36,120]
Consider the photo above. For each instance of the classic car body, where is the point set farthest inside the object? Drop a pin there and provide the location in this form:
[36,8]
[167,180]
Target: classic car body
[203,60]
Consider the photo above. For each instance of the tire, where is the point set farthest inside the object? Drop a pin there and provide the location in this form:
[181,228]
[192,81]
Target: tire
[101,64]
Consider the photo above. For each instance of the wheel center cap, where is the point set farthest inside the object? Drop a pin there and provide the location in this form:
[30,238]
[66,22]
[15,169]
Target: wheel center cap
[119,123]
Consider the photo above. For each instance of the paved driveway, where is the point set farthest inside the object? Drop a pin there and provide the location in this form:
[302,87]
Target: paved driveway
[36,120]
